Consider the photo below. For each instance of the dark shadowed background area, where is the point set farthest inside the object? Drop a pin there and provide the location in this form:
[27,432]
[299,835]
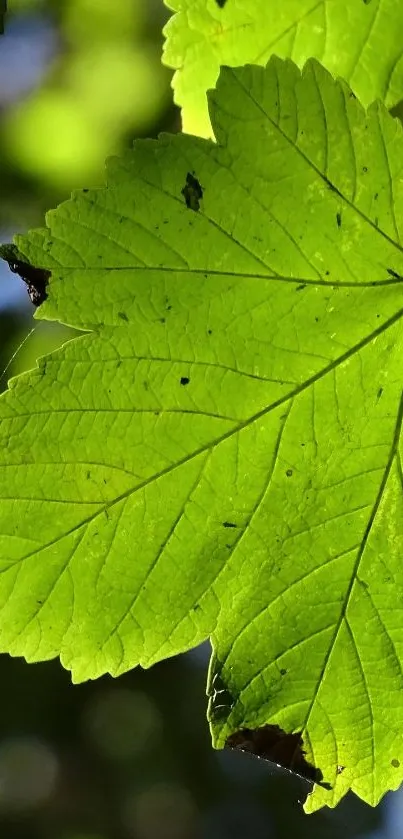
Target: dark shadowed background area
[128,758]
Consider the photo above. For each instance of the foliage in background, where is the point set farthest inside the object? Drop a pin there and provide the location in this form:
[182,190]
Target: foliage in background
[98,89]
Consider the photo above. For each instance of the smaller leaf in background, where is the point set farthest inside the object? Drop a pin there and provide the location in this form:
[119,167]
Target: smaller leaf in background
[358,40]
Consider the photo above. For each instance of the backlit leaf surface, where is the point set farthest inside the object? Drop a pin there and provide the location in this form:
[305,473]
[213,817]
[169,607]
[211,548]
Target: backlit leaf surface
[220,454]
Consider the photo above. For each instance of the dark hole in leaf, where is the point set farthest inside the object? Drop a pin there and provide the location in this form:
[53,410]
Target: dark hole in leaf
[36,279]
[289,473]
[395,762]
[338,219]
[228,524]
[185,380]
[192,192]
[283,672]
[271,743]
[365,169]
[221,3]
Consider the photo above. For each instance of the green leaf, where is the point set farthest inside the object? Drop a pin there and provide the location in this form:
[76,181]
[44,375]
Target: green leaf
[219,455]
[359,40]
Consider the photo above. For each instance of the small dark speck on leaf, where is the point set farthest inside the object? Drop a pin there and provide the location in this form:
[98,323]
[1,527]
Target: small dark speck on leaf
[300,287]
[123,316]
[229,547]
[210,331]
[338,219]
[228,524]
[168,308]
[196,607]
[289,473]
[39,602]
[327,273]
[283,671]
[192,192]
[85,190]
[162,320]
[380,392]
[376,196]
[221,3]
[365,169]
[146,385]
[395,762]
[352,95]
[88,475]
[185,380]
[316,319]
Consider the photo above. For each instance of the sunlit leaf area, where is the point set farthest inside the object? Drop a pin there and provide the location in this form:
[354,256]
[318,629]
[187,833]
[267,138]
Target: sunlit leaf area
[131,757]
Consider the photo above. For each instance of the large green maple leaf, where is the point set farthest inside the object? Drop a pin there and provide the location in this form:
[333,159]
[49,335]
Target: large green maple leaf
[219,454]
[359,40]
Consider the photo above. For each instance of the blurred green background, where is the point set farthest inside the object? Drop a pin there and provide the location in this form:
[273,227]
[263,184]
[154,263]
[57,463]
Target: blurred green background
[128,758]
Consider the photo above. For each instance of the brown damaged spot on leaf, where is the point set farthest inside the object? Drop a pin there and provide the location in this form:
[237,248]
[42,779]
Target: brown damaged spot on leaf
[271,743]
[36,279]
[192,192]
